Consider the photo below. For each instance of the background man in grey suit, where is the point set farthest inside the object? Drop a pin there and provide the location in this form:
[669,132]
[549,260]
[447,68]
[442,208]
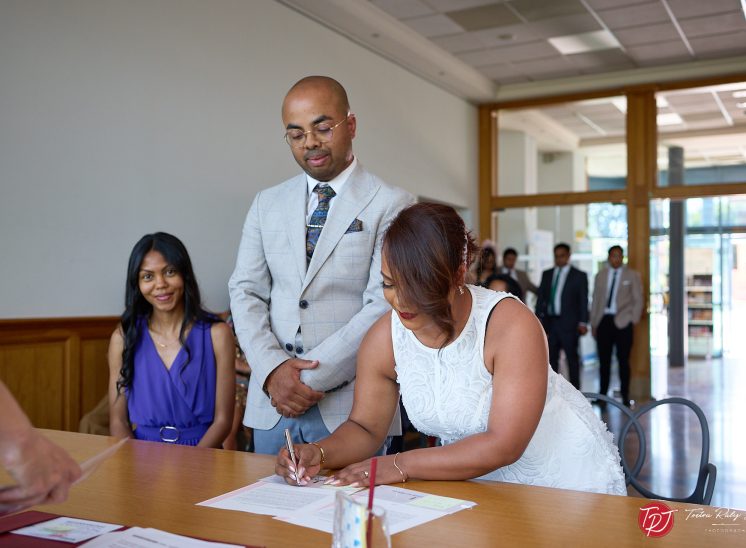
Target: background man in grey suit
[617,306]
[307,282]
[562,307]
[510,256]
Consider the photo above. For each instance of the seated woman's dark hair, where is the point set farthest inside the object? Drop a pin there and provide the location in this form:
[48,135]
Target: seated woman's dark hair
[428,250]
[485,254]
[512,285]
[135,305]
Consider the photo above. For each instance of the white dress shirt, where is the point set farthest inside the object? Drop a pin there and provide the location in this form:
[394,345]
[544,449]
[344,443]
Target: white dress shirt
[610,276]
[337,183]
[563,272]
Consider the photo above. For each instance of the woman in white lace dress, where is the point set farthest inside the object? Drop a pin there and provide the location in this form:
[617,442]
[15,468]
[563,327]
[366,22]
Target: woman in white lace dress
[472,368]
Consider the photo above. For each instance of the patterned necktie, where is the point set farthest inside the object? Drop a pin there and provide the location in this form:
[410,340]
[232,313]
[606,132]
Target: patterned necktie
[553,292]
[611,290]
[318,218]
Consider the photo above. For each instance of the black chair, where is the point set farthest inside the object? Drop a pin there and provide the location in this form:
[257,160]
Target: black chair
[631,421]
[707,472]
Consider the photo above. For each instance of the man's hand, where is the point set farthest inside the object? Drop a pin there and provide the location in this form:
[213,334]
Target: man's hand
[289,396]
[582,329]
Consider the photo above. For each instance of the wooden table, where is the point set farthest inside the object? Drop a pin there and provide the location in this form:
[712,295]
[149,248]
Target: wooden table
[157,485]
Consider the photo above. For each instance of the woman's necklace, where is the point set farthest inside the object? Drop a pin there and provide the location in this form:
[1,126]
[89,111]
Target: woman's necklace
[157,340]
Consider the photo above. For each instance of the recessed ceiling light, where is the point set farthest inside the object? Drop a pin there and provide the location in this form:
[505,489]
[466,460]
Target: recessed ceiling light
[582,43]
[669,119]
[506,37]
[739,94]
[741,105]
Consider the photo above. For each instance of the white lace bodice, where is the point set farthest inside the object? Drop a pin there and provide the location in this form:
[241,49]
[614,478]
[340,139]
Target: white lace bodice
[437,388]
[448,393]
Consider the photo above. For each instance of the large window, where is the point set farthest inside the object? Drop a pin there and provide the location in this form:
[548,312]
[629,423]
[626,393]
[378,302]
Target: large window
[570,147]
[702,135]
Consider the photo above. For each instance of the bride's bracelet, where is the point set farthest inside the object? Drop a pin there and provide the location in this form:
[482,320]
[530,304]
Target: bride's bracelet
[321,449]
[403,475]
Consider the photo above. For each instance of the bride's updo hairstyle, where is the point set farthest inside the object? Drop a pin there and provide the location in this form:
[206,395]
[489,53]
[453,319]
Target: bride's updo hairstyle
[425,246]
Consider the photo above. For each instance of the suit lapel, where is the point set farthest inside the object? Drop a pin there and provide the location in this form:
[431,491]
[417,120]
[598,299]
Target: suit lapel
[296,222]
[356,193]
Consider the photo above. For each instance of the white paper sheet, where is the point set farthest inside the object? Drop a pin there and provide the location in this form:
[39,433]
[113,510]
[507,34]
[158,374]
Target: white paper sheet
[400,516]
[67,529]
[273,499]
[313,505]
[138,537]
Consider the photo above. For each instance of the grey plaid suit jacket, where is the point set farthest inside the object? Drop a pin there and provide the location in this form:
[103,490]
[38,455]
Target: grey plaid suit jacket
[334,301]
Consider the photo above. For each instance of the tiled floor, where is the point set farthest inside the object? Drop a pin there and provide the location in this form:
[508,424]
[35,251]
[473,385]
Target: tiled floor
[718,386]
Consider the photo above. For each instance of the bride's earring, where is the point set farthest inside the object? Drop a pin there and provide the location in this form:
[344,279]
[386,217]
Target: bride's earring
[461,290]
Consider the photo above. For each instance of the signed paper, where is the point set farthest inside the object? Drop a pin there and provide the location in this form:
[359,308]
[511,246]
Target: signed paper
[273,499]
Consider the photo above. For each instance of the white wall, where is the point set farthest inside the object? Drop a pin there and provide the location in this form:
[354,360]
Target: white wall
[119,118]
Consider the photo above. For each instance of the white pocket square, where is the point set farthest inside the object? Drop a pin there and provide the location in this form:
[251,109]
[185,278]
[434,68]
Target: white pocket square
[626,282]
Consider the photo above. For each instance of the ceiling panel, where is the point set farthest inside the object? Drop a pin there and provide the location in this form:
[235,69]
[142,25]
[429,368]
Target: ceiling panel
[647,34]
[522,52]
[656,54]
[452,5]
[536,10]
[484,17]
[683,9]
[715,24]
[457,43]
[601,60]
[644,14]
[720,45]
[563,26]
[434,25]
[606,4]
[403,8]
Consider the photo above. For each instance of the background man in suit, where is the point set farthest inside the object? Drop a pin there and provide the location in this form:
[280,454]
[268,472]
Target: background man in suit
[510,256]
[562,306]
[617,306]
[307,282]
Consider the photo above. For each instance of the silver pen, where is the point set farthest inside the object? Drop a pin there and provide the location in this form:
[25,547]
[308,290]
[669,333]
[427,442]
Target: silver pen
[289,443]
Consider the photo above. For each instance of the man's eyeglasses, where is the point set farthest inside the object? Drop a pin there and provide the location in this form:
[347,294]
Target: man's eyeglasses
[323,132]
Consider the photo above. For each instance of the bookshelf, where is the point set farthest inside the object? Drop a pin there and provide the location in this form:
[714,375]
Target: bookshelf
[700,310]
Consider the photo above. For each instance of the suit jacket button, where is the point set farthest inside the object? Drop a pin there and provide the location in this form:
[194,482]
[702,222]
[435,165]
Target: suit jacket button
[299,350]
[289,347]
[303,304]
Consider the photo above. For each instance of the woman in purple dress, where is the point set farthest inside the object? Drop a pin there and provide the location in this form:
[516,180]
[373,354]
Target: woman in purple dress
[170,362]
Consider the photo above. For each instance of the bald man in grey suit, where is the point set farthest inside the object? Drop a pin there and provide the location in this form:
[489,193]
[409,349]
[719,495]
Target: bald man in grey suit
[307,282]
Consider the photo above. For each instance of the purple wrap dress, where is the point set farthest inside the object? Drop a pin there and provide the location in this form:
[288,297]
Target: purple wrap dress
[175,405]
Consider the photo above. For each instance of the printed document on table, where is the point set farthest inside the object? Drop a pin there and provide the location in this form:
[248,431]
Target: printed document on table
[65,529]
[408,497]
[399,516]
[138,537]
[273,499]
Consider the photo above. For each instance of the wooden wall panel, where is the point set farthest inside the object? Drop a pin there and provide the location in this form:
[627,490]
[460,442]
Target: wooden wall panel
[94,377]
[56,368]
